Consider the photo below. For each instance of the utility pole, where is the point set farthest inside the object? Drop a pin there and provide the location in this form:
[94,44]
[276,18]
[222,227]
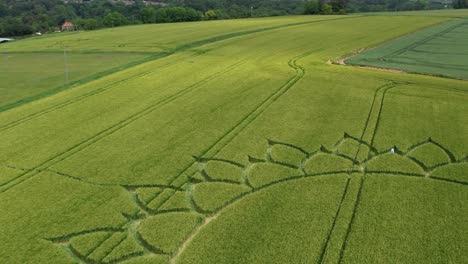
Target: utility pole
[4,55]
[251,11]
[65,64]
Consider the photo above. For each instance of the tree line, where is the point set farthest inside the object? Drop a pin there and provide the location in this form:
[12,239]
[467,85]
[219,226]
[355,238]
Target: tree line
[26,17]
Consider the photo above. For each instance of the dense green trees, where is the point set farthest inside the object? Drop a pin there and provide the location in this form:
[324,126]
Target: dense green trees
[169,14]
[29,16]
[460,4]
[312,7]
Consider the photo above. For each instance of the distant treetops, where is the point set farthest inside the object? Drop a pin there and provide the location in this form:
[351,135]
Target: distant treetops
[19,18]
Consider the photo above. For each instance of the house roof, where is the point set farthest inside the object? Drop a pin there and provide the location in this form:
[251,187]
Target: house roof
[67,24]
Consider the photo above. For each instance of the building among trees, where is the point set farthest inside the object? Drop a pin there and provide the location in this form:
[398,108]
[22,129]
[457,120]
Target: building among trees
[68,26]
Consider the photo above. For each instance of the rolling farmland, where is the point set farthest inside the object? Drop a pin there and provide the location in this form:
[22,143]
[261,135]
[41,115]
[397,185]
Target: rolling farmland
[37,67]
[240,147]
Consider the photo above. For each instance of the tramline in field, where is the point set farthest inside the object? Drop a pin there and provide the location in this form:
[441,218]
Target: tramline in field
[439,50]
[243,147]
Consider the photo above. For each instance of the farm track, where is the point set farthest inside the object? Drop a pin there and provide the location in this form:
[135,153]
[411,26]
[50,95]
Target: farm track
[228,137]
[247,120]
[375,100]
[413,45]
[377,113]
[95,92]
[134,221]
[184,47]
[106,132]
[373,118]
[346,199]
[376,122]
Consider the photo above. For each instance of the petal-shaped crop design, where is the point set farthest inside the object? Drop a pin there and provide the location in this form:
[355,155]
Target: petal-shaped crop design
[430,154]
[348,146]
[211,196]
[285,153]
[324,162]
[264,173]
[158,232]
[167,216]
[222,171]
[457,172]
[393,162]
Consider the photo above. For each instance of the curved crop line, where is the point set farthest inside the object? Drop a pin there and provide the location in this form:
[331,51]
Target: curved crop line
[208,178]
[354,161]
[66,238]
[183,47]
[358,197]
[448,180]
[134,220]
[257,111]
[366,123]
[360,141]
[274,142]
[418,162]
[377,122]
[112,129]
[147,246]
[449,154]
[94,92]
[407,154]
[415,146]
[194,205]
[436,178]
[253,161]
[215,214]
[284,164]
[205,160]
[399,173]
[413,160]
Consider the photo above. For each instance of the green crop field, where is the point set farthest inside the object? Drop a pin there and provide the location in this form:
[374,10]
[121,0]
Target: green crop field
[438,50]
[27,76]
[37,67]
[240,145]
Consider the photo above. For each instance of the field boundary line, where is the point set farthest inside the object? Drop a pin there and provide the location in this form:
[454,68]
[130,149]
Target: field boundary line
[112,129]
[395,55]
[163,54]
[341,59]
[94,92]
[82,81]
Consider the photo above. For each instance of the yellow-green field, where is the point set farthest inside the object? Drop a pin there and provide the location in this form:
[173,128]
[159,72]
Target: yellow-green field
[240,145]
